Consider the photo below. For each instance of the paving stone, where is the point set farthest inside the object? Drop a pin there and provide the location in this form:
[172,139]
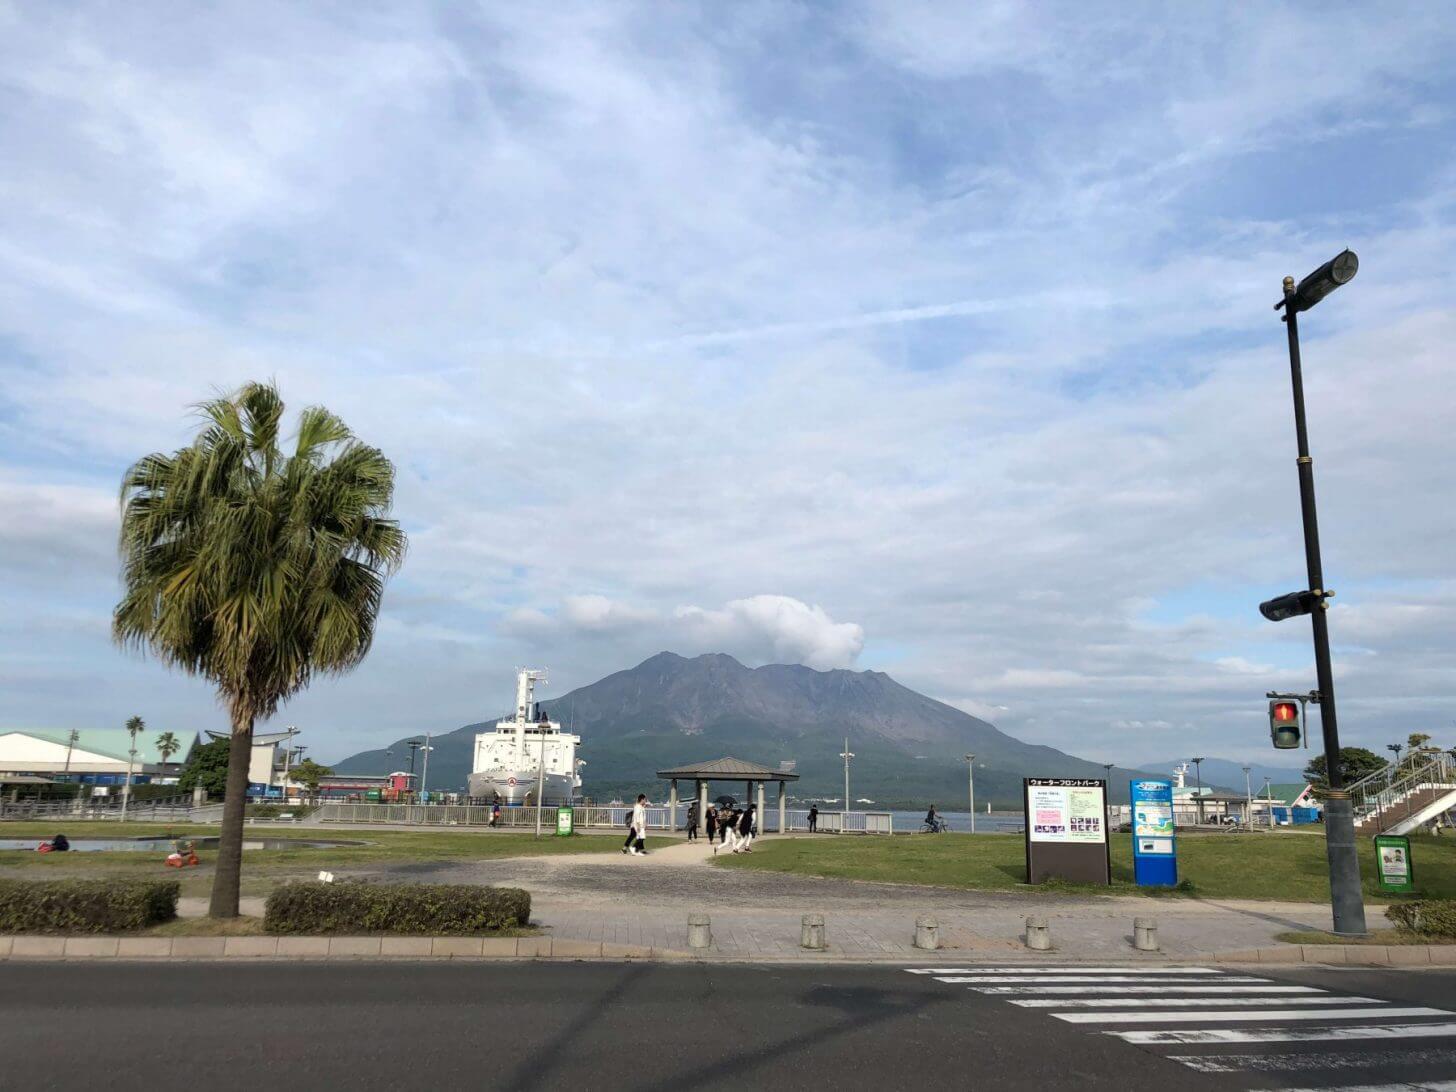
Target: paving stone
[197,947]
[4,947]
[91,947]
[1323,953]
[250,946]
[455,946]
[499,947]
[1444,954]
[38,947]
[533,946]
[144,947]
[353,946]
[575,949]
[405,946]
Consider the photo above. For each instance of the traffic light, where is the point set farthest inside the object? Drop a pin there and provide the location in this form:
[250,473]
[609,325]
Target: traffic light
[1284,724]
[1289,606]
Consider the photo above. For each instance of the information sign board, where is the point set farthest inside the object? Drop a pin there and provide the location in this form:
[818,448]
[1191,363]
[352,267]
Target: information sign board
[563,821]
[1393,863]
[1066,829]
[1154,839]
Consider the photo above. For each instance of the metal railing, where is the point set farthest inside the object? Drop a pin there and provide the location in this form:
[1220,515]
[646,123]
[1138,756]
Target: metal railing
[96,807]
[1388,796]
[585,816]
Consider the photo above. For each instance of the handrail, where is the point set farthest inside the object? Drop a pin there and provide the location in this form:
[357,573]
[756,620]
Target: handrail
[1372,799]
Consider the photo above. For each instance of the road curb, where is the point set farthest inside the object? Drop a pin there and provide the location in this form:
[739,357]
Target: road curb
[487,949]
[1354,955]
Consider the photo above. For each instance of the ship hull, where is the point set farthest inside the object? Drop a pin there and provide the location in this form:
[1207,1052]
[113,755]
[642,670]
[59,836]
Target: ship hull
[520,788]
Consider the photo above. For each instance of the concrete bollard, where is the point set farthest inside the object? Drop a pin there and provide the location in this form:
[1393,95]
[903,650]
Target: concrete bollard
[811,932]
[1145,934]
[1038,936]
[700,931]
[927,934]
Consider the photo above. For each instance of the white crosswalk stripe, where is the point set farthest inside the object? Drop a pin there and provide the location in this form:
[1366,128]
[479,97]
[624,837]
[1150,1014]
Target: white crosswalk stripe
[1183,1006]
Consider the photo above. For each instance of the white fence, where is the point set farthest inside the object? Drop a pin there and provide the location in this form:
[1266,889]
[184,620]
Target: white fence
[584,816]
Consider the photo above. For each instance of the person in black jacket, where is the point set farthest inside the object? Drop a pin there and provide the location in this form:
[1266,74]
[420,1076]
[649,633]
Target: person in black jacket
[813,818]
[710,823]
[693,821]
[746,829]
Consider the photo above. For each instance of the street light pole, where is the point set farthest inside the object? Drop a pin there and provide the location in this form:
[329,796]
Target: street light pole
[971,779]
[845,754]
[425,774]
[1198,777]
[1248,800]
[1347,905]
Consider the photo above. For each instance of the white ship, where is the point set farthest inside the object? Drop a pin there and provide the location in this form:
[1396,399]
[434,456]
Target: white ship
[524,752]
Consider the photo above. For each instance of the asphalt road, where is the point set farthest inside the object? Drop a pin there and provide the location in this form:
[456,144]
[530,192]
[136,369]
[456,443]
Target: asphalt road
[650,1027]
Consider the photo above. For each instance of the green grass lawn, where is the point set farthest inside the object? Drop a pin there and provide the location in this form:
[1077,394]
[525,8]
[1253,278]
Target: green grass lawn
[264,869]
[1288,866]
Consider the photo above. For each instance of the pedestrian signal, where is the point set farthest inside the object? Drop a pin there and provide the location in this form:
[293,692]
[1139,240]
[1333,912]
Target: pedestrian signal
[1284,726]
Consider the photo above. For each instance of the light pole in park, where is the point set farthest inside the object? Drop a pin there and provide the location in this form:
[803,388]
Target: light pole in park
[1345,900]
[425,774]
[1248,800]
[414,745]
[1198,778]
[971,781]
[846,754]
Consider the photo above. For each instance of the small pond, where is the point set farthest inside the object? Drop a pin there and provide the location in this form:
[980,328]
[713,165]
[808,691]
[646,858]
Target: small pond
[164,845]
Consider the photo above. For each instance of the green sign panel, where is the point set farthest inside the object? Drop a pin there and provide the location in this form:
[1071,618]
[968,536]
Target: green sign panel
[563,821]
[1393,862]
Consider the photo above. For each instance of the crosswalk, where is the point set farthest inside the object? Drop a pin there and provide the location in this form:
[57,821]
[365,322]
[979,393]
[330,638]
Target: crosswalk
[1299,1032]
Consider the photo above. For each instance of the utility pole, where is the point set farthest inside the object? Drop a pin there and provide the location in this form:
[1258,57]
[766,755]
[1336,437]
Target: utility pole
[71,738]
[425,775]
[846,754]
[971,780]
[1198,777]
[1248,800]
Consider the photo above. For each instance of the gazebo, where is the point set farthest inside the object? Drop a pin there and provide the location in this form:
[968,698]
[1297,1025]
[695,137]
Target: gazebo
[727,769]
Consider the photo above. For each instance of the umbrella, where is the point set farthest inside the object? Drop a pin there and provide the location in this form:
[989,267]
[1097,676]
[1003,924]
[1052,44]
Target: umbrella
[726,802]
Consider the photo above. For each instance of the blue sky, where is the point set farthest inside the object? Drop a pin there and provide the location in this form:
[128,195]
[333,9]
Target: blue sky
[932,338]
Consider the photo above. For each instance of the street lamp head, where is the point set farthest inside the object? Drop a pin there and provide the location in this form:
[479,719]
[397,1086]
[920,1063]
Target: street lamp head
[1340,269]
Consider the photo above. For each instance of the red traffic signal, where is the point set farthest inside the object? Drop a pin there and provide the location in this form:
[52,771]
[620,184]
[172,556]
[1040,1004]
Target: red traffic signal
[1284,724]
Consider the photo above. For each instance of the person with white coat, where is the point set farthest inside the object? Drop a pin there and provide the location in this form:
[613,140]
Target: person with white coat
[637,835]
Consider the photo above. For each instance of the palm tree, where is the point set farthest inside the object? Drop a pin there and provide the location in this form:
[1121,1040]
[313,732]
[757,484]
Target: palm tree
[134,725]
[167,745]
[255,568]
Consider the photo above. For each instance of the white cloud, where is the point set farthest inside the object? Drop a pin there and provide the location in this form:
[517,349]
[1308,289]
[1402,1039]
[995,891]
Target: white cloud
[776,628]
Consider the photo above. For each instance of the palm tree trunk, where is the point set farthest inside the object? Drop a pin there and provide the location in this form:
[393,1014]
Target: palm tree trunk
[228,878]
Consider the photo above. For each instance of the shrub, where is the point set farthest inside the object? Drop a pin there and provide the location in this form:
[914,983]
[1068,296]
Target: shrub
[85,906]
[1428,917]
[416,908]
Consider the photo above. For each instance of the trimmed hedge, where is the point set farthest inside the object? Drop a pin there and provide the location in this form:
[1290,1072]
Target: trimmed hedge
[413,908]
[1428,917]
[85,906]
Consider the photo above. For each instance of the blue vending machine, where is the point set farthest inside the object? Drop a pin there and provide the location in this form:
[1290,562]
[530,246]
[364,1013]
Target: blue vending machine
[1154,842]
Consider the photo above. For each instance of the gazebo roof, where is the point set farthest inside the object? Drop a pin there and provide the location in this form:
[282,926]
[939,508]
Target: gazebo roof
[728,769]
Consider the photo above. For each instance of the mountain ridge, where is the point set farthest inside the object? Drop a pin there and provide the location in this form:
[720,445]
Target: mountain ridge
[670,710]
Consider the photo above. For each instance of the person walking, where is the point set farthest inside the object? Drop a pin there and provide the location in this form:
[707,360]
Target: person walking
[495,814]
[727,830]
[637,828]
[693,821]
[710,823]
[813,818]
[747,828]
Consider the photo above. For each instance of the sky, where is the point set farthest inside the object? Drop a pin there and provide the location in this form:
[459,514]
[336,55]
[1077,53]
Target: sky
[935,339]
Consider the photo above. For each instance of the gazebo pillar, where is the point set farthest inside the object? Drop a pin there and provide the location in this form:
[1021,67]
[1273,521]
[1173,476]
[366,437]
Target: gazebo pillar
[672,806]
[762,822]
[701,792]
[783,813]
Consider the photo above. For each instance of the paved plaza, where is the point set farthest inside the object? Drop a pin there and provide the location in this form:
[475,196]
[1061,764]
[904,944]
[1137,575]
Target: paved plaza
[645,901]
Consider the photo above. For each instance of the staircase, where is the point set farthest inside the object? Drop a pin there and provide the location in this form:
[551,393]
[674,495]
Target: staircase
[1401,798]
